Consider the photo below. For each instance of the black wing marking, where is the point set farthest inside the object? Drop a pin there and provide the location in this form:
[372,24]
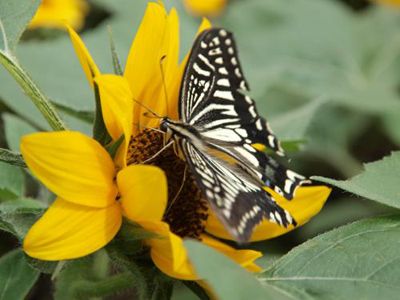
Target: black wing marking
[211,102]
[210,96]
[261,167]
[238,201]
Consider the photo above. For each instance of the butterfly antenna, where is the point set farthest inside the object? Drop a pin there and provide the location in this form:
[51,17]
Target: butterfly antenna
[163,80]
[148,127]
[145,107]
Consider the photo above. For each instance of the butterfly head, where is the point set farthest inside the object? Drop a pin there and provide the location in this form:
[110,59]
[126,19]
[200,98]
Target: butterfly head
[164,126]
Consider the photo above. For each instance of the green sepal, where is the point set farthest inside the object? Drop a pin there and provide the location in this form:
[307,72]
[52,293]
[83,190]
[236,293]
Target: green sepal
[83,115]
[100,132]
[113,148]
[115,58]
[43,266]
[129,238]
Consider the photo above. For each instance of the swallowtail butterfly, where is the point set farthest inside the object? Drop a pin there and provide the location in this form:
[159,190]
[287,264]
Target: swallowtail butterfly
[218,126]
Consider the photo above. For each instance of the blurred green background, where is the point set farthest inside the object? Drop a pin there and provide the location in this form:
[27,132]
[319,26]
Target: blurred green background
[324,72]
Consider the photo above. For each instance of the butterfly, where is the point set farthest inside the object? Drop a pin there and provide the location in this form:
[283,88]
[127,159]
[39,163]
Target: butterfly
[216,132]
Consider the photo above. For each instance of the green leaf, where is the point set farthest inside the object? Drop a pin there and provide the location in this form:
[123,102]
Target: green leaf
[15,15]
[196,289]
[78,281]
[380,181]
[12,183]
[292,145]
[15,129]
[17,216]
[357,261]
[286,50]
[333,215]
[294,124]
[83,115]
[16,277]
[229,280]
[391,123]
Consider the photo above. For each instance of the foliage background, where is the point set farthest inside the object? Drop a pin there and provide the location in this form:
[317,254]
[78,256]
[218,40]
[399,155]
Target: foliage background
[325,73]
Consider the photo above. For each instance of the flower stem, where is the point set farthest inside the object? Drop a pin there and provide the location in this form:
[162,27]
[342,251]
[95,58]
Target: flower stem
[33,92]
[12,158]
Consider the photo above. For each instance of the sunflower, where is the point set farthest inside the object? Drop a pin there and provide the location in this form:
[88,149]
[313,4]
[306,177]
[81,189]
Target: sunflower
[95,191]
[186,213]
[53,14]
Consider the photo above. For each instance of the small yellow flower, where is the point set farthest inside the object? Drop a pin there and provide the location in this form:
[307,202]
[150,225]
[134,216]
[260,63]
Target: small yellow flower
[205,7]
[391,3]
[53,14]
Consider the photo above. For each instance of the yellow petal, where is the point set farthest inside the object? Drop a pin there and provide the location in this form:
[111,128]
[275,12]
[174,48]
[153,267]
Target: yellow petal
[169,254]
[205,7]
[170,66]
[144,194]
[88,65]
[117,108]
[308,201]
[245,258]
[142,68]
[72,165]
[54,13]
[68,231]
[165,84]
[143,56]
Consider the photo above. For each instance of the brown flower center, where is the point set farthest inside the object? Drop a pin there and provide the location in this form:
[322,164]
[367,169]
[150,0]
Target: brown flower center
[186,211]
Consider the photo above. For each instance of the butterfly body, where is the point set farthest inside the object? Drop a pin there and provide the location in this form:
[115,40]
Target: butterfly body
[216,132]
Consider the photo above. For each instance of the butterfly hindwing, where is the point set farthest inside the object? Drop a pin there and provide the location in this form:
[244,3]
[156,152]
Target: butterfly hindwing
[238,201]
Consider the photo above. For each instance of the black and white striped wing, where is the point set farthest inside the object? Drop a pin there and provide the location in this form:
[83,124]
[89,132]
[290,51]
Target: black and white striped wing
[211,101]
[238,201]
[210,96]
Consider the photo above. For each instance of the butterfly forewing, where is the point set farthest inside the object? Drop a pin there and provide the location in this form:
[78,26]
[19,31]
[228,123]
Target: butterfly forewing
[211,88]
